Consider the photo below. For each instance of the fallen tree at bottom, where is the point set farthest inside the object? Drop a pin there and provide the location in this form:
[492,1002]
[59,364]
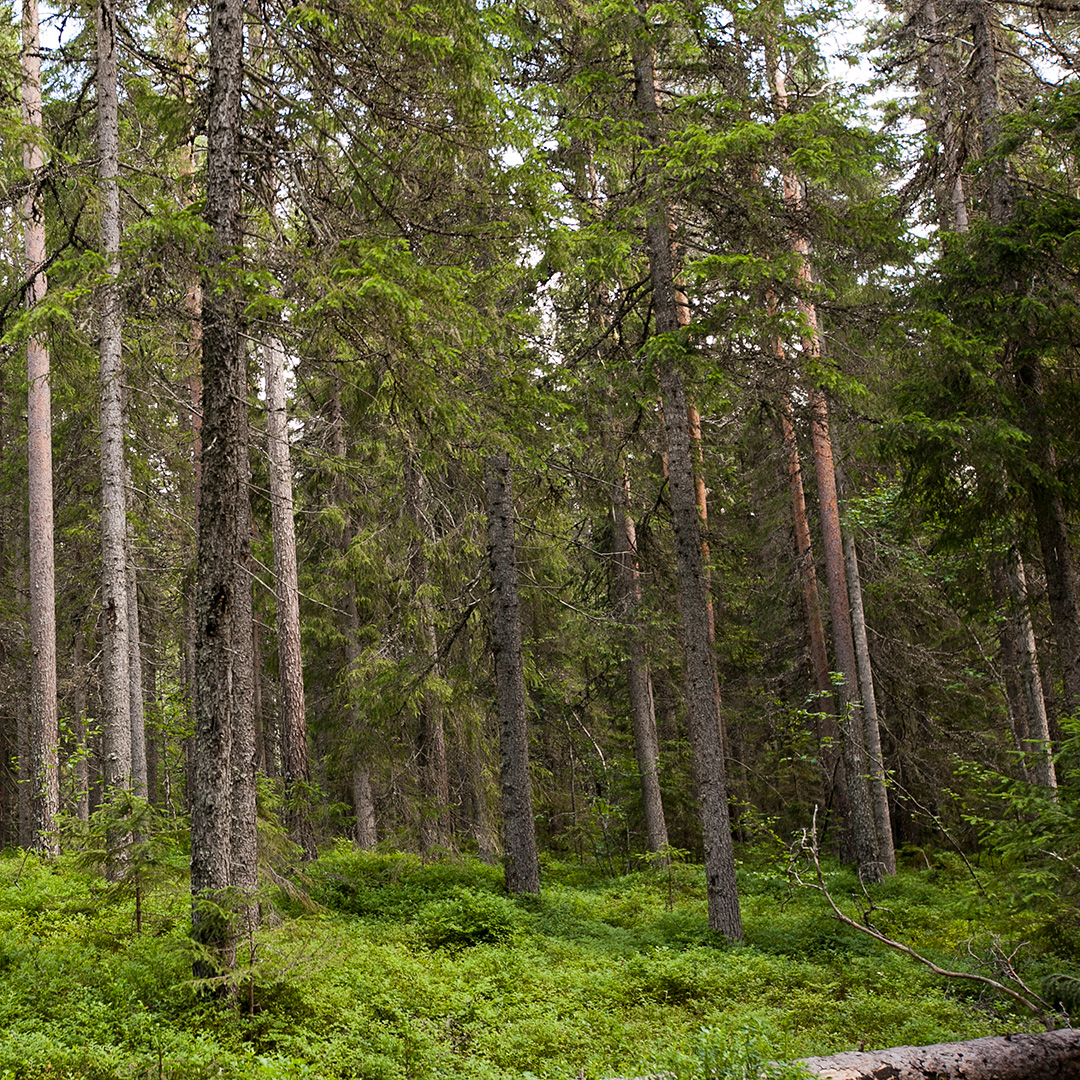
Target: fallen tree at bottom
[1048,1055]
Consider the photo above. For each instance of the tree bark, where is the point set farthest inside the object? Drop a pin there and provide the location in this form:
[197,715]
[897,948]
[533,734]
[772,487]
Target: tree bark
[863,831]
[834,780]
[1046,1055]
[137,712]
[1036,740]
[872,727]
[43,770]
[519,831]
[115,623]
[639,680]
[243,855]
[223,476]
[434,775]
[702,698]
[294,763]
[864,835]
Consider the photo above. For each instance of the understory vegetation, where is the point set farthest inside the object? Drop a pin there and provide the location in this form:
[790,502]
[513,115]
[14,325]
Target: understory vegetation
[374,965]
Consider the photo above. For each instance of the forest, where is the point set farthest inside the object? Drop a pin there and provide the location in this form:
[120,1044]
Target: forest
[582,488]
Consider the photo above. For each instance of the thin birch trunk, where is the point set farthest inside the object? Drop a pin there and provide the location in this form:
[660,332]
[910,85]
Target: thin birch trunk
[43,772]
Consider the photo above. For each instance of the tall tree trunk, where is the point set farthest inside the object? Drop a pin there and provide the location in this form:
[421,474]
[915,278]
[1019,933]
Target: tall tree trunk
[44,768]
[1037,742]
[834,780]
[243,855]
[864,838]
[519,829]
[290,660]
[115,631]
[137,712]
[224,475]
[702,698]
[81,770]
[878,795]
[864,834]
[639,681]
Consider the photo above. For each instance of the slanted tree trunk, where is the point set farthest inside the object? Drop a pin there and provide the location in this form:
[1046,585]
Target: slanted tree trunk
[702,699]
[294,758]
[879,796]
[519,829]
[224,475]
[999,1057]
[43,757]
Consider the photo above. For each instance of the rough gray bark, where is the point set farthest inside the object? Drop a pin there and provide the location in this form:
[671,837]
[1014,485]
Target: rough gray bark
[294,758]
[137,713]
[223,476]
[702,699]
[878,795]
[81,770]
[1050,1055]
[243,856]
[366,828]
[367,834]
[639,681]
[519,830]
[43,753]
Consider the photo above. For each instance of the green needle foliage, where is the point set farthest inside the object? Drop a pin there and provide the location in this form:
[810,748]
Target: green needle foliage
[396,969]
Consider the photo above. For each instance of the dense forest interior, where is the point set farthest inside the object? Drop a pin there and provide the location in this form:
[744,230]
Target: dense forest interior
[611,434]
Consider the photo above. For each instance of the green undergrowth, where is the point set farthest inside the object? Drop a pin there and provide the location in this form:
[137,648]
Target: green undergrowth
[379,968]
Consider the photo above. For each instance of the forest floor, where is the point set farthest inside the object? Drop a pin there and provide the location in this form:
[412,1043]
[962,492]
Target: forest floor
[375,966]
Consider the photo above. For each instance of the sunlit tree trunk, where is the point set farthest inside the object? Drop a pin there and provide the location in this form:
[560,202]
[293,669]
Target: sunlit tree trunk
[43,756]
[519,830]
[294,764]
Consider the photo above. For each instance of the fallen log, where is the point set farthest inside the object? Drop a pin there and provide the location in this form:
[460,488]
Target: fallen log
[1047,1055]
